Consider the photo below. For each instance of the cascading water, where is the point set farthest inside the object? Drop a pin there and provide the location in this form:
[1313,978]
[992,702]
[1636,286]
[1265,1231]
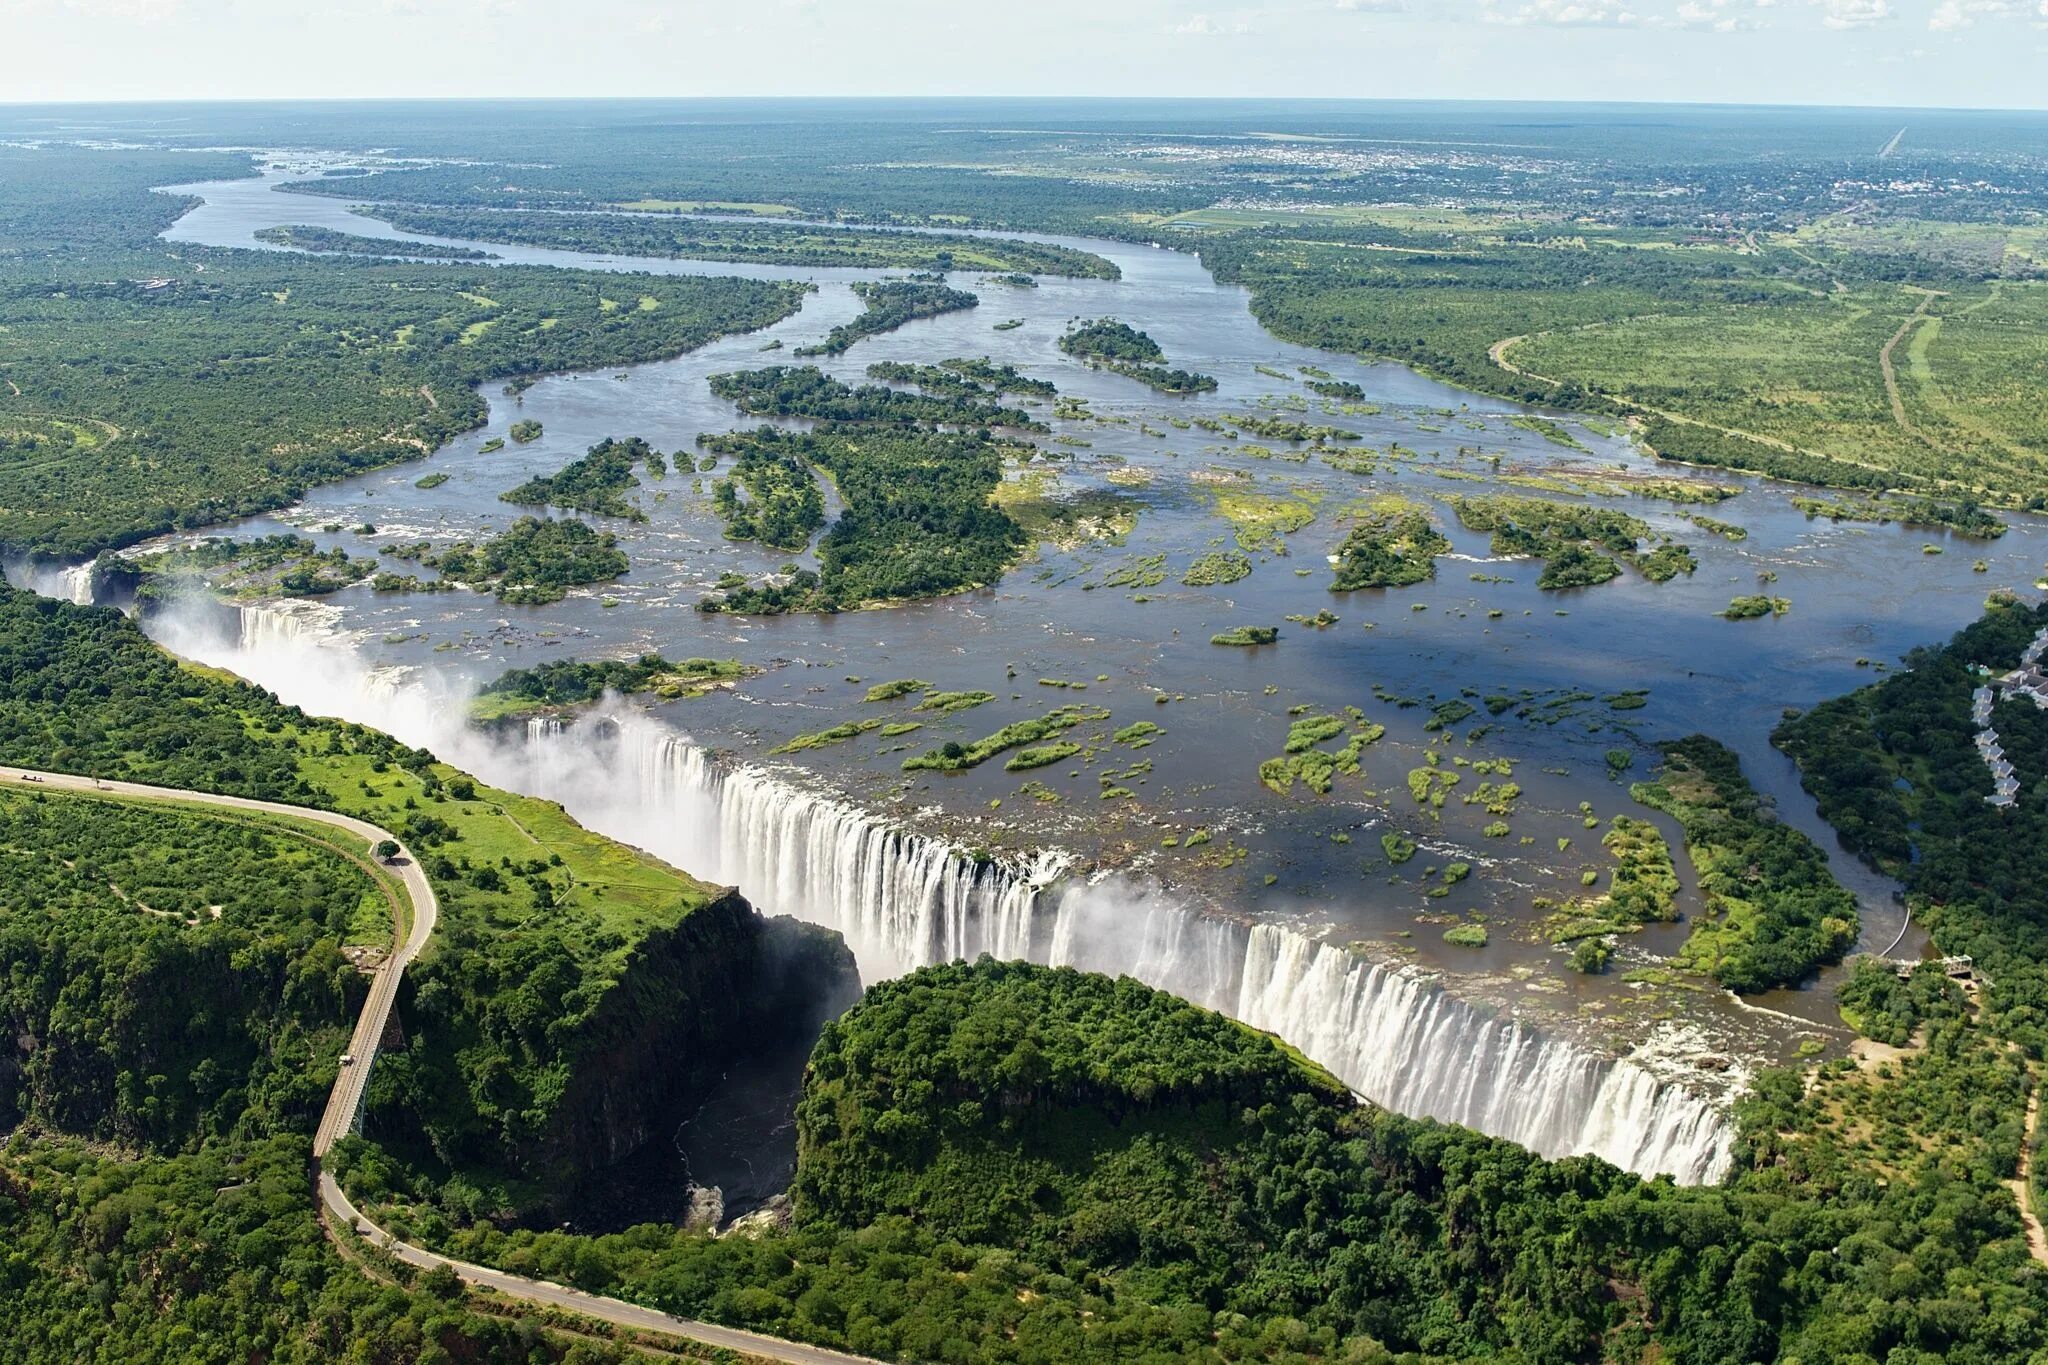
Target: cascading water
[903,900]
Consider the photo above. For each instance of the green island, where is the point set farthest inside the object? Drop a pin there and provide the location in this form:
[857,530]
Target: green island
[562,684]
[962,378]
[764,243]
[596,483]
[954,757]
[1752,606]
[917,520]
[1214,568]
[524,432]
[1965,518]
[1120,347]
[282,565]
[1246,635]
[808,392]
[1304,761]
[327,241]
[532,562]
[1392,545]
[890,305]
[1578,544]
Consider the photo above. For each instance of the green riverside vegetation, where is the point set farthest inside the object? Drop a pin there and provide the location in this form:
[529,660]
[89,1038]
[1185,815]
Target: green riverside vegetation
[762,243]
[1123,348]
[320,240]
[141,390]
[1773,910]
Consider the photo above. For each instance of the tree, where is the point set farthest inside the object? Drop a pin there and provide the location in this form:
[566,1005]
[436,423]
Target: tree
[386,850]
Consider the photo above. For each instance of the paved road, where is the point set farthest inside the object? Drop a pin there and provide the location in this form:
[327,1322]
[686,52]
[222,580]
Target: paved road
[576,1301]
[344,1102]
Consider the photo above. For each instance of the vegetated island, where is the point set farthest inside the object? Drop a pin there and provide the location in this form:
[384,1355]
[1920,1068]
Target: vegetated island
[794,244]
[281,565]
[1578,544]
[533,562]
[916,521]
[1392,545]
[808,392]
[565,683]
[1118,346]
[889,305]
[327,241]
[595,483]
[961,377]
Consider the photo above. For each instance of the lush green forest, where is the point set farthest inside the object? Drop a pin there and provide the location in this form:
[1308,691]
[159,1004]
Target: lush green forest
[1895,770]
[762,243]
[171,969]
[138,387]
[177,995]
[783,506]
[1001,1162]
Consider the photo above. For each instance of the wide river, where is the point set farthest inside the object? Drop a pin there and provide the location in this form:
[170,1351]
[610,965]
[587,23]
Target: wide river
[1108,613]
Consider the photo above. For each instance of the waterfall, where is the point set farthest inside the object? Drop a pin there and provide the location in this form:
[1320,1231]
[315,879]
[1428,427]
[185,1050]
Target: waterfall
[903,900]
[76,584]
[67,583]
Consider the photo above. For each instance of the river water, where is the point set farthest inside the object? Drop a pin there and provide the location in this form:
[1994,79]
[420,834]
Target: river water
[858,843]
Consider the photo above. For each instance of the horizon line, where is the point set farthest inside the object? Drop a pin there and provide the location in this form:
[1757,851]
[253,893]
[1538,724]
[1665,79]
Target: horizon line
[134,101]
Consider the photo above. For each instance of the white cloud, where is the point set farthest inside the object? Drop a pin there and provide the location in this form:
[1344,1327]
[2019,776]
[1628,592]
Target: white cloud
[1951,15]
[1719,16]
[1392,6]
[138,11]
[1202,26]
[1562,13]
[1853,13]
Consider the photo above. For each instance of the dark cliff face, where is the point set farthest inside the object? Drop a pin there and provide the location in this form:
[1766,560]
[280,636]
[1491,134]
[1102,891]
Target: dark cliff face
[726,984]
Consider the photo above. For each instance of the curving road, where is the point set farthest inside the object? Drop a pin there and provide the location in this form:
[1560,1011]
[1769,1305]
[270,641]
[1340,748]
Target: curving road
[344,1102]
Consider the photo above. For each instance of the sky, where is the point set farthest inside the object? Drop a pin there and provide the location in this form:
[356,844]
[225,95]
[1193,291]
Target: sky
[1946,53]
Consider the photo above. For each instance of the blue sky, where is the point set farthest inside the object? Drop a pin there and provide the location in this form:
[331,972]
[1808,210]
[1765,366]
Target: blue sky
[1956,53]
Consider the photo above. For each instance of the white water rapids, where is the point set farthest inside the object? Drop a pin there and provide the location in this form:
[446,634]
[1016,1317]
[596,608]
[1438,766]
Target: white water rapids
[904,900]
